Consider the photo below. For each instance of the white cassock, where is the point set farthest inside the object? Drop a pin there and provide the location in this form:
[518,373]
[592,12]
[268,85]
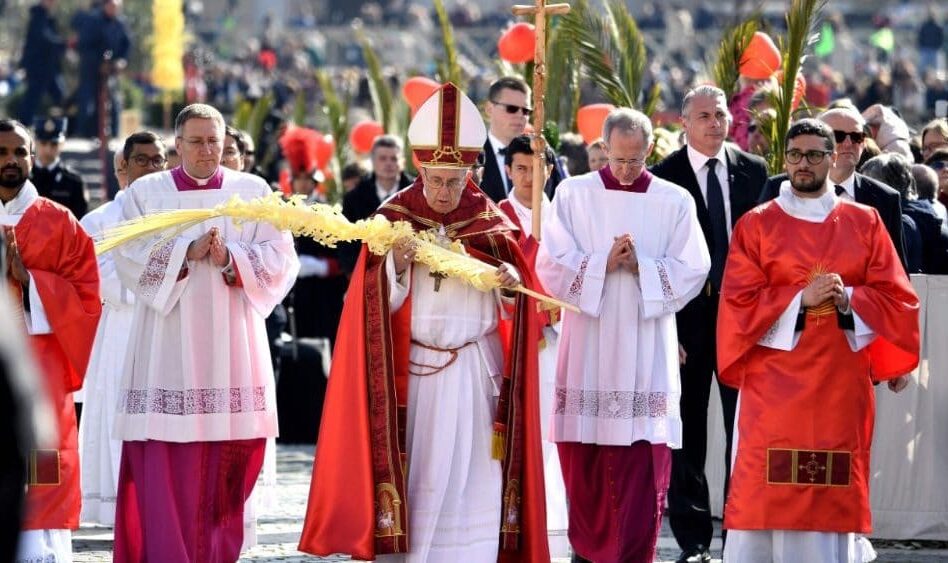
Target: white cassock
[454,484]
[99,451]
[557,517]
[617,377]
[198,367]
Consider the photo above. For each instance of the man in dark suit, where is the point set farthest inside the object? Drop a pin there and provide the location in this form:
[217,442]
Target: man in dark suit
[387,177]
[52,178]
[724,182]
[43,52]
[848,128]
[508,109]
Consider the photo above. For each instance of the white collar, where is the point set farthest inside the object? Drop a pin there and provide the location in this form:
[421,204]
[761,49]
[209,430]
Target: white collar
[849,184]
[11,211]
[496,144]
[199,181]
[52,165]
[814,210]
[698,160]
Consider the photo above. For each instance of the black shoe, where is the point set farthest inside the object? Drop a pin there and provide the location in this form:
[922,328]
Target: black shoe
[696,555]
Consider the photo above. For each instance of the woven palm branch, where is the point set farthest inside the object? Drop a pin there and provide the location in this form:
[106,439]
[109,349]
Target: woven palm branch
[328,226]
[611,49]
[727,65]
[801,22]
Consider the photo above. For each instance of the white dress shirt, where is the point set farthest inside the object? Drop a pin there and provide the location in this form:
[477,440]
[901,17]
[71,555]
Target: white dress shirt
[699,164]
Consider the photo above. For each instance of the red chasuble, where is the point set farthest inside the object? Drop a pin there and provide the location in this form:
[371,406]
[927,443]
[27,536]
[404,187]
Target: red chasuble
[61,258]
[806,416]
[361,463]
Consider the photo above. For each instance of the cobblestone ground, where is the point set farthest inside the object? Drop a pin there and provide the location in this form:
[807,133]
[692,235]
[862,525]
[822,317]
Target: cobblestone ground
[278,532]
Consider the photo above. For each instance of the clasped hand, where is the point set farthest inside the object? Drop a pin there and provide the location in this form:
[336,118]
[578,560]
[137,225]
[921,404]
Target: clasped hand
[17,269]
[209,244]
[622,255]
[826,287]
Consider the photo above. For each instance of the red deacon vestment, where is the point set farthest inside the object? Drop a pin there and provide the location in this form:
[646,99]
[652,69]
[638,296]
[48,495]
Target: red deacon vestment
[60,257]
[361,458]
[806,415]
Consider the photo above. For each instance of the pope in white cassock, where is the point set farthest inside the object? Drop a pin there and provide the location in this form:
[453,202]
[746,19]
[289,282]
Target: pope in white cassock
[429,445]
[627,249]
[99,450]
[197,399]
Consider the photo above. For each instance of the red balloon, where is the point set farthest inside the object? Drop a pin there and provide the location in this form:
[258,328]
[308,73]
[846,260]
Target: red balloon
[590,118]
[799,89]
[363,135]
[518,43]
[417,89]
[761,58]
[325,148]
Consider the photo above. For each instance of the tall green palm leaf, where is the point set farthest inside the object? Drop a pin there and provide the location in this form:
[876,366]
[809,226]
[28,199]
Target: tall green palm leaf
[379,88]
[336,111]
[563,73]
[449,70]
[611,49]
[726,67]
[801,21]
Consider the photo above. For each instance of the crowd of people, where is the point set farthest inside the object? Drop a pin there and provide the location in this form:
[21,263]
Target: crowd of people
[461,421]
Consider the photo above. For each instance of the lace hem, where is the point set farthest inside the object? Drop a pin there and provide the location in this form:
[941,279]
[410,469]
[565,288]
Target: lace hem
[615,404]
[155,270]
[256,264]
[668,292]
[194,401]
[576,288]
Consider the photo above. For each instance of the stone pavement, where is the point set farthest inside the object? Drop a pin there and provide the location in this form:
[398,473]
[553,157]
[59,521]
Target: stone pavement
[278,532]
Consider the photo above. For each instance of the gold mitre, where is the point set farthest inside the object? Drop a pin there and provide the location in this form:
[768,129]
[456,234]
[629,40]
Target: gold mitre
[447,131]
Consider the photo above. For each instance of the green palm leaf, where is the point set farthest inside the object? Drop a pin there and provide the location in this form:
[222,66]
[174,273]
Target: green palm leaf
[449,70]
[726,68]
[379,88]
[335,109]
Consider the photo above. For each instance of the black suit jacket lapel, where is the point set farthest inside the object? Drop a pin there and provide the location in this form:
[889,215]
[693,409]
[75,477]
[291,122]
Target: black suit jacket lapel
[739,192]
[688,180]
[860,193]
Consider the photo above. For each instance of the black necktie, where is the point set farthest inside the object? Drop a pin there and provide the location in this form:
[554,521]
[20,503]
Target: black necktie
[840,190]
[718,226]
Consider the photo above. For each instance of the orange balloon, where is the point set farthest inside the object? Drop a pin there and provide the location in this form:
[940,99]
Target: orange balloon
[590,118]
[761,58]
[417,89]
[518,43]
[325,148]
[363,135]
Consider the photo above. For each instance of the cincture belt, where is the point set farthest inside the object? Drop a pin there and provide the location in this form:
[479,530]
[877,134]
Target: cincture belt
[432,370]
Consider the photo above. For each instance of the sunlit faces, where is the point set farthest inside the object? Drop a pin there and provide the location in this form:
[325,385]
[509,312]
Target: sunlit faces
[16,159]
[850,142]
[47,152]
[808,162]
[231,157]
[443,188]
[520,172]
[596,157]
[200,146]
[145,159]
[707,124]
[503,124]
[626,152]
[932,141]
[387,164]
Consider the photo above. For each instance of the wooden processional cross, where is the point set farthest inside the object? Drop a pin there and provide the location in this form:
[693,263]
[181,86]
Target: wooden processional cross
[539,11]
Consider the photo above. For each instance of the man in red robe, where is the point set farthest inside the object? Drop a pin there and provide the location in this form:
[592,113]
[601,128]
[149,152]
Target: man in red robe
[55,282]
[429,445]
[815,308]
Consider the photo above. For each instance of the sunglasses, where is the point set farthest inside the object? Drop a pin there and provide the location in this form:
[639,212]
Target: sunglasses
[511,108]
[855,136]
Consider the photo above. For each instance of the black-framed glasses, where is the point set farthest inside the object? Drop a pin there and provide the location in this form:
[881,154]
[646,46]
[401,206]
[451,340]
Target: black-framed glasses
[143,160]
[512,108]
[794,156]
[855,136]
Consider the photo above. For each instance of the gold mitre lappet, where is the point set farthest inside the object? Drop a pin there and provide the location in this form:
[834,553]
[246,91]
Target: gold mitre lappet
[447,131]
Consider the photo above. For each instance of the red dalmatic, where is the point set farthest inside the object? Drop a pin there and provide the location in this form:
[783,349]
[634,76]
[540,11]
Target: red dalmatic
[61,259]
[806,415]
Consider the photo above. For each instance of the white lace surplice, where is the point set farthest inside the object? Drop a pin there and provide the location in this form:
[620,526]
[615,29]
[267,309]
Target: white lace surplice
[617,375]
[198,367]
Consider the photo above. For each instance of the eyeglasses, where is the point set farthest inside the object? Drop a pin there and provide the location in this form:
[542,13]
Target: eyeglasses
[813,157]
[623,162]
[938,165]
[438,183]
[143,160]
[511,108]
[855,136]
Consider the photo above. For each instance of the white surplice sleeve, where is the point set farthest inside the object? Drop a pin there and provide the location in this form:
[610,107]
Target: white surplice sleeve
[150,266]
[110,286]
[398,289]
[568,271]
[783,335]
[862,334]
[267,264]
[670,281]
